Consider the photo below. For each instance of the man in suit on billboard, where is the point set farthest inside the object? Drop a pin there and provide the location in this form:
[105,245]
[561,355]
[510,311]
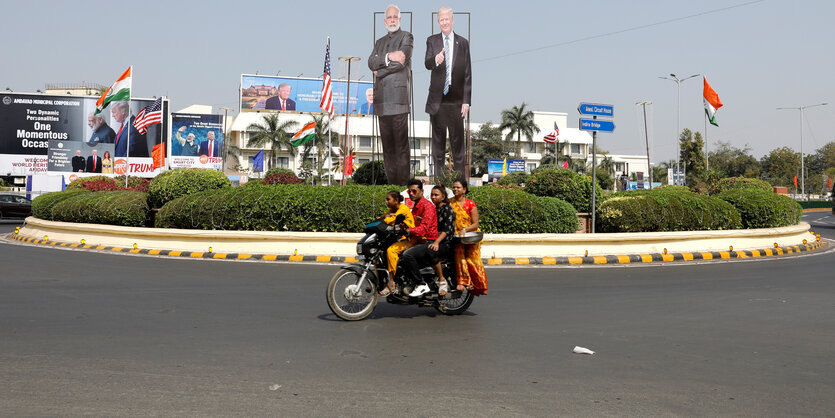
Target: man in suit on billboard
[94,163]
[450,93]
[282,101]
[102,132]
[210,147]
[391,62]
[78,164]
[138,142]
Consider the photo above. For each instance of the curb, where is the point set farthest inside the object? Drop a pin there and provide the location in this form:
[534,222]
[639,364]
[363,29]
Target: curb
[517,261]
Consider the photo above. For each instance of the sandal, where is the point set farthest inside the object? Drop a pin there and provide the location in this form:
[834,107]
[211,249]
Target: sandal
[388,290]
[442,288]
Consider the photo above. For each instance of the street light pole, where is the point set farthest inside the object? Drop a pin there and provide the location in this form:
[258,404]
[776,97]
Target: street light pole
[225,138]
[678,82]
[646,136]
[802,163]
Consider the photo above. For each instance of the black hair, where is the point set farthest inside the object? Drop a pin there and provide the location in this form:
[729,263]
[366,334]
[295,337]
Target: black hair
[442,189]
[396,195]
[463,184]
[415,182]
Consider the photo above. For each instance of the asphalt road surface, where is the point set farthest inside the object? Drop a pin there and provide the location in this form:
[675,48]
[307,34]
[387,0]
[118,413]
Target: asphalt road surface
[87,333]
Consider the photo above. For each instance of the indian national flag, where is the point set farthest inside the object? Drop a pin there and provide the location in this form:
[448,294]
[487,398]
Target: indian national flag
[307,133]
[712,103]
[119,91]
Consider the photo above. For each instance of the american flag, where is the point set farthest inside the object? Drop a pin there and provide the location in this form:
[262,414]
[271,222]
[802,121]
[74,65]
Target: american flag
[552,137]
[327,94]
[150,115]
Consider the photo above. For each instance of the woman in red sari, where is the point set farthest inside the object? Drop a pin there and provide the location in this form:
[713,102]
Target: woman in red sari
[468,265]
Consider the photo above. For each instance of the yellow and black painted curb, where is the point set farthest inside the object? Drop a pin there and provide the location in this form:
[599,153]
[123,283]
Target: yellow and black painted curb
[517,261]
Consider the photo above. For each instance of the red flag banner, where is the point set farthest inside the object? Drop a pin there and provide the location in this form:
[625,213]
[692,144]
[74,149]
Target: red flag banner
[158,154]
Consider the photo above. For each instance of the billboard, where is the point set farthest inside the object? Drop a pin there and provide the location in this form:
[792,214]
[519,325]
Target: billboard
[196,141]
[496,168]
[260,92]
[59,135]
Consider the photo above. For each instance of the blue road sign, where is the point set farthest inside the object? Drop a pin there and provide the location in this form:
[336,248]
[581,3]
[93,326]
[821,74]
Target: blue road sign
[596,109]
[597,125]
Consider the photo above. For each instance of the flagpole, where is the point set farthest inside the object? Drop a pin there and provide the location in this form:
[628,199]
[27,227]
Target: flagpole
[330,159]
[129,125]
[707,156]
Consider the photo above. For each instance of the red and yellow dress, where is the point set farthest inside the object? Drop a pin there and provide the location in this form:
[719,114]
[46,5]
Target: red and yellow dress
[468,263]
[394,250]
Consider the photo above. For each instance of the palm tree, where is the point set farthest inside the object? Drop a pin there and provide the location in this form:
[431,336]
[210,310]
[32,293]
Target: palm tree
[320,142]
[273,133]
[519,121]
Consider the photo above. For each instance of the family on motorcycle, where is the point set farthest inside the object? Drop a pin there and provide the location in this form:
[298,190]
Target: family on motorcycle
[430,226]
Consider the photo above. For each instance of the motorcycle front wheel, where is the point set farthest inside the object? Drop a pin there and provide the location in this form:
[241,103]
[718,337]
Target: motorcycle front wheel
[349,301]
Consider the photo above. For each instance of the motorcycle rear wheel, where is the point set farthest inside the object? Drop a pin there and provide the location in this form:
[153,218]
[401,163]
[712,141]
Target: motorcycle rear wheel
[346,300]
[455,306]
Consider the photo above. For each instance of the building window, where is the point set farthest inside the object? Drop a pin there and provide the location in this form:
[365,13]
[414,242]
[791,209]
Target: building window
[283,162]
[575,149]
[531,147]
[362,161]
[365,142]
[530,167]
[414,166]
[415,143]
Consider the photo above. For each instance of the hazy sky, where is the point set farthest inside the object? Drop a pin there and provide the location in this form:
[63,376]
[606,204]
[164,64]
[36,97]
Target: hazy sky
[757,55]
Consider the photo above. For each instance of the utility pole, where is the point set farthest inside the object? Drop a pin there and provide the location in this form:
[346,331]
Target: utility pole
[225,138]
[346,147]
[646,137]
[802,164]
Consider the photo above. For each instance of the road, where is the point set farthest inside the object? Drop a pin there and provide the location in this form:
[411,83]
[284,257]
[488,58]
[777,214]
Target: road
[87,333]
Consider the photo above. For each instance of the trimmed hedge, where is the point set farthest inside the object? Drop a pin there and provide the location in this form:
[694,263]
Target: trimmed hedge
[181,182]
[281,207]
[124,207]
[563,184]
[43,204]
[763,209]
[517,178]
[281,178]
[349,209]
[84,182]
[664,210]
[510,211]
[732,183]
[279,170]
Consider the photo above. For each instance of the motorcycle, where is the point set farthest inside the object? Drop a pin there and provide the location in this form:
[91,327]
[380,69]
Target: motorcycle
[353,291]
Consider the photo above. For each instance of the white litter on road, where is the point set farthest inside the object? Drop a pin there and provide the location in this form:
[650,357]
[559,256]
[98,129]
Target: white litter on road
[275,387]
[582,350]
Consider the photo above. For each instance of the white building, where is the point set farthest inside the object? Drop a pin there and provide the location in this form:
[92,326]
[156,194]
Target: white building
[364,137]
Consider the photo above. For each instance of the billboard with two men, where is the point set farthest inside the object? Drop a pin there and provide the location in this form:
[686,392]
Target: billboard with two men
[296,94]
[196,141]
[63,135]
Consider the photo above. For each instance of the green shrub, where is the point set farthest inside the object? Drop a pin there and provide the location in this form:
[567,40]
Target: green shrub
[125,208]
[518,177]
[563,184]
[281,178]
[733,183]
[673,187]
[82,182]
[372,172]
[509,211]
[181,182]
[763,209]
[349,209]
[43,204]
[279,170]
[664,210]
[282,207]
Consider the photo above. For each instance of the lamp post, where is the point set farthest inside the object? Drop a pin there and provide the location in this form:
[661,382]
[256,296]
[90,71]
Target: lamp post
[347,146]
[646,136]
[678,82]
[225,137]
[802,164]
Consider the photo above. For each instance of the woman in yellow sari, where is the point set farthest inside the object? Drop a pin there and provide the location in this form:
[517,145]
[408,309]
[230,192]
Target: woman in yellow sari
[107,164]
[396,207]
[468,265]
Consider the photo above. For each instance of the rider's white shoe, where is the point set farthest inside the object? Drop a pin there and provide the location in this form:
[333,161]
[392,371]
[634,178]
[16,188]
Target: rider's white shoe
[419,290]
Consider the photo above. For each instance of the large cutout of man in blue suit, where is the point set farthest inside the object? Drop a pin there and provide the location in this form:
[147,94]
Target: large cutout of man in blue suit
[120,111]
[450,93]
[210,147]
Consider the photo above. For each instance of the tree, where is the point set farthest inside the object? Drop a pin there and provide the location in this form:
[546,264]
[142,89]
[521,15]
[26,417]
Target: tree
[320,143]
[734,162]
[691,154]
[519,121]
[273,133]
[780,166]
[487,143]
